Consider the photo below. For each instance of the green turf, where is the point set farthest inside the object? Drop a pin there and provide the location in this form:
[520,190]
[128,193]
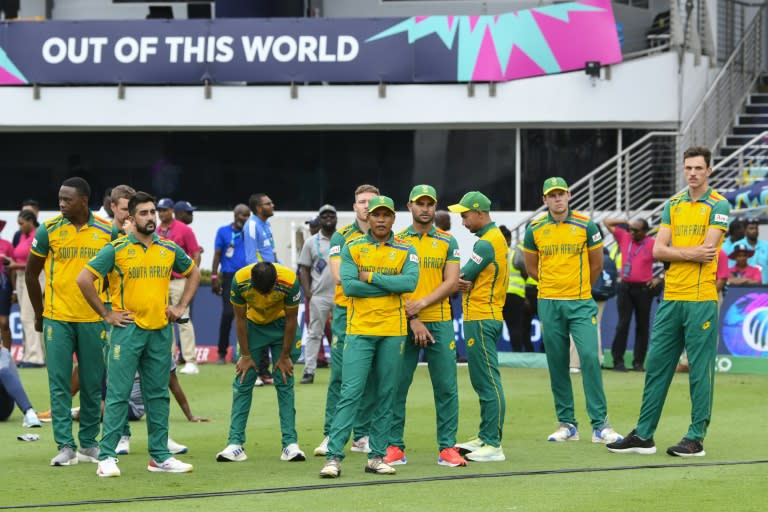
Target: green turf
[735,435]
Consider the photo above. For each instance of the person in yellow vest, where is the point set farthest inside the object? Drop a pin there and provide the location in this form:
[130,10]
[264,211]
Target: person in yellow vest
[483,281]
[564,251]
[514,305]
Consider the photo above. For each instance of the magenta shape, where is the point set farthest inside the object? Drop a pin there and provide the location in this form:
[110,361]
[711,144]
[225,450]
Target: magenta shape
[473,22]
[487,65]
[419,19]
[586,36]
[7,78]
[521,66]
[758,300]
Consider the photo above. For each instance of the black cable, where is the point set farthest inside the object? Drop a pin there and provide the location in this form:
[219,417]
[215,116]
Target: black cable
[383,481]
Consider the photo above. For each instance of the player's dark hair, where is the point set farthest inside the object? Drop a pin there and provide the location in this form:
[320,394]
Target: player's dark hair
[29,216]
[255,200]
[263,277]
[78,184]
[698,151]
[138,198]
[751,222]
[644,222]
[31,202]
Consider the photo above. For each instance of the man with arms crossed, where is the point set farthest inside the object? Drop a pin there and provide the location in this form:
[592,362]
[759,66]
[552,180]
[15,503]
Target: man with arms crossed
[375,271]
[139,267]
[691,232]
[343,236]
[484,280]
[64,244]
[431,328]
[265,297]
[564,253]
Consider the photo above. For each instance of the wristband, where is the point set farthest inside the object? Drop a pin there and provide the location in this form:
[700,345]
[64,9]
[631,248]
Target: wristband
[214,277]
[245,356]
[370,277]
[413,317]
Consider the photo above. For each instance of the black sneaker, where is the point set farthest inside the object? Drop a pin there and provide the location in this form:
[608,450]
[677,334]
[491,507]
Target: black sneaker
[308,378]
[633,444]
[687,448]
[619,367]
[638,368]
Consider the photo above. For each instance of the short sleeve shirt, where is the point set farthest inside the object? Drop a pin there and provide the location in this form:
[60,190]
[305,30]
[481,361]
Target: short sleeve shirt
[563,249]
[264,309]
[636,257]
[488,269]
[139,276]
[66,251]
[339,239]
[230,242]
[183,236]
[689,222]
[315,256]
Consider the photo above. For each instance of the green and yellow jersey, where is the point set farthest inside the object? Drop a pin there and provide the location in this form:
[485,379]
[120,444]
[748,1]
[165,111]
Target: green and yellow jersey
[338,240]
[66,251]
[435,250]
[139,276]
[689,222]
[265,309]
[377,307]
[487,268]
[563,249]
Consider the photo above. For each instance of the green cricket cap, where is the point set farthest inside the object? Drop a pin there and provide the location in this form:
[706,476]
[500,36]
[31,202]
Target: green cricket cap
[381,202]
[423,191]
[472,200]
[554,183]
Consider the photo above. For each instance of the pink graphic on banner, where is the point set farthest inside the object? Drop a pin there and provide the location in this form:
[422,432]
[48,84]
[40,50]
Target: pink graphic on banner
[7,78]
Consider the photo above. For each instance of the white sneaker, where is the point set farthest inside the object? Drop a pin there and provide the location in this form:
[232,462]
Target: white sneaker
[190,369]
[323,448]
[123,445]
[573,369]
[487,453]
[606,435]
[176,448]
[88,454]
[108,468]
[292,453]
[566,432]
[65,457]
[332,469]
[31,420]
[470,446]
[361,445]
[258,382]
[232,453]
[170,465]
[378,466]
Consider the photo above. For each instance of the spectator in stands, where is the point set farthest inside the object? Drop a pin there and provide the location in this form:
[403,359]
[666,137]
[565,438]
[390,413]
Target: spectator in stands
[319,285]
[11,391]
[179,232]
[741,273]
[637,289]
[736,232]
[229,250]
[34,356]
[260,246]
[760,258]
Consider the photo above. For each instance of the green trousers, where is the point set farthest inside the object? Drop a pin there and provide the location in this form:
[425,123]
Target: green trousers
[483,363]
[368,402]
[382,356]
[577,318]
[88,340]
[681,325]
[268,336]
[132,348]
[441,361]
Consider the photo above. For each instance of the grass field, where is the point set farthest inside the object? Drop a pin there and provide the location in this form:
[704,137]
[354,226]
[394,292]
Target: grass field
[537,475]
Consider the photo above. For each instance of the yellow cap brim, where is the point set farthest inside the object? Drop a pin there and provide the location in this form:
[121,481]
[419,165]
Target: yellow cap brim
[424,195]
[458,208]
[380,206]
[550,189]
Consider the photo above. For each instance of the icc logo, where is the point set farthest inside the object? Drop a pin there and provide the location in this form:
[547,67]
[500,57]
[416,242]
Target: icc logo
[755,329]
[745,326]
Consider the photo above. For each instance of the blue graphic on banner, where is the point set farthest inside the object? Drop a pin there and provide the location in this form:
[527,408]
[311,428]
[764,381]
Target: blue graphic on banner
[744,323]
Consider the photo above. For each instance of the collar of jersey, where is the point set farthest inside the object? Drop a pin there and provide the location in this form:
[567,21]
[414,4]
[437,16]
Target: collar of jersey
[410,231]
[132,238]
[372,239]
[687,195]
[486,229]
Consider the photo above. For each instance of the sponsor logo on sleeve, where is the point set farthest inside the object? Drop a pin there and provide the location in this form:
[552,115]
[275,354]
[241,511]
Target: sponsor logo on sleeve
[297,297]
[455,253]
[719,217]
[476,258]
[34,242]
[596,237]
[413,258]
[335,250]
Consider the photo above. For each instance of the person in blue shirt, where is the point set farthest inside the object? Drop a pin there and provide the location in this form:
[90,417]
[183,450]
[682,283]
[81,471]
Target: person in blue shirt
[229,251]
[260,246]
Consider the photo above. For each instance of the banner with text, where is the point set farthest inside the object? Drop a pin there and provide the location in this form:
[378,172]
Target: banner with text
[532,42]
